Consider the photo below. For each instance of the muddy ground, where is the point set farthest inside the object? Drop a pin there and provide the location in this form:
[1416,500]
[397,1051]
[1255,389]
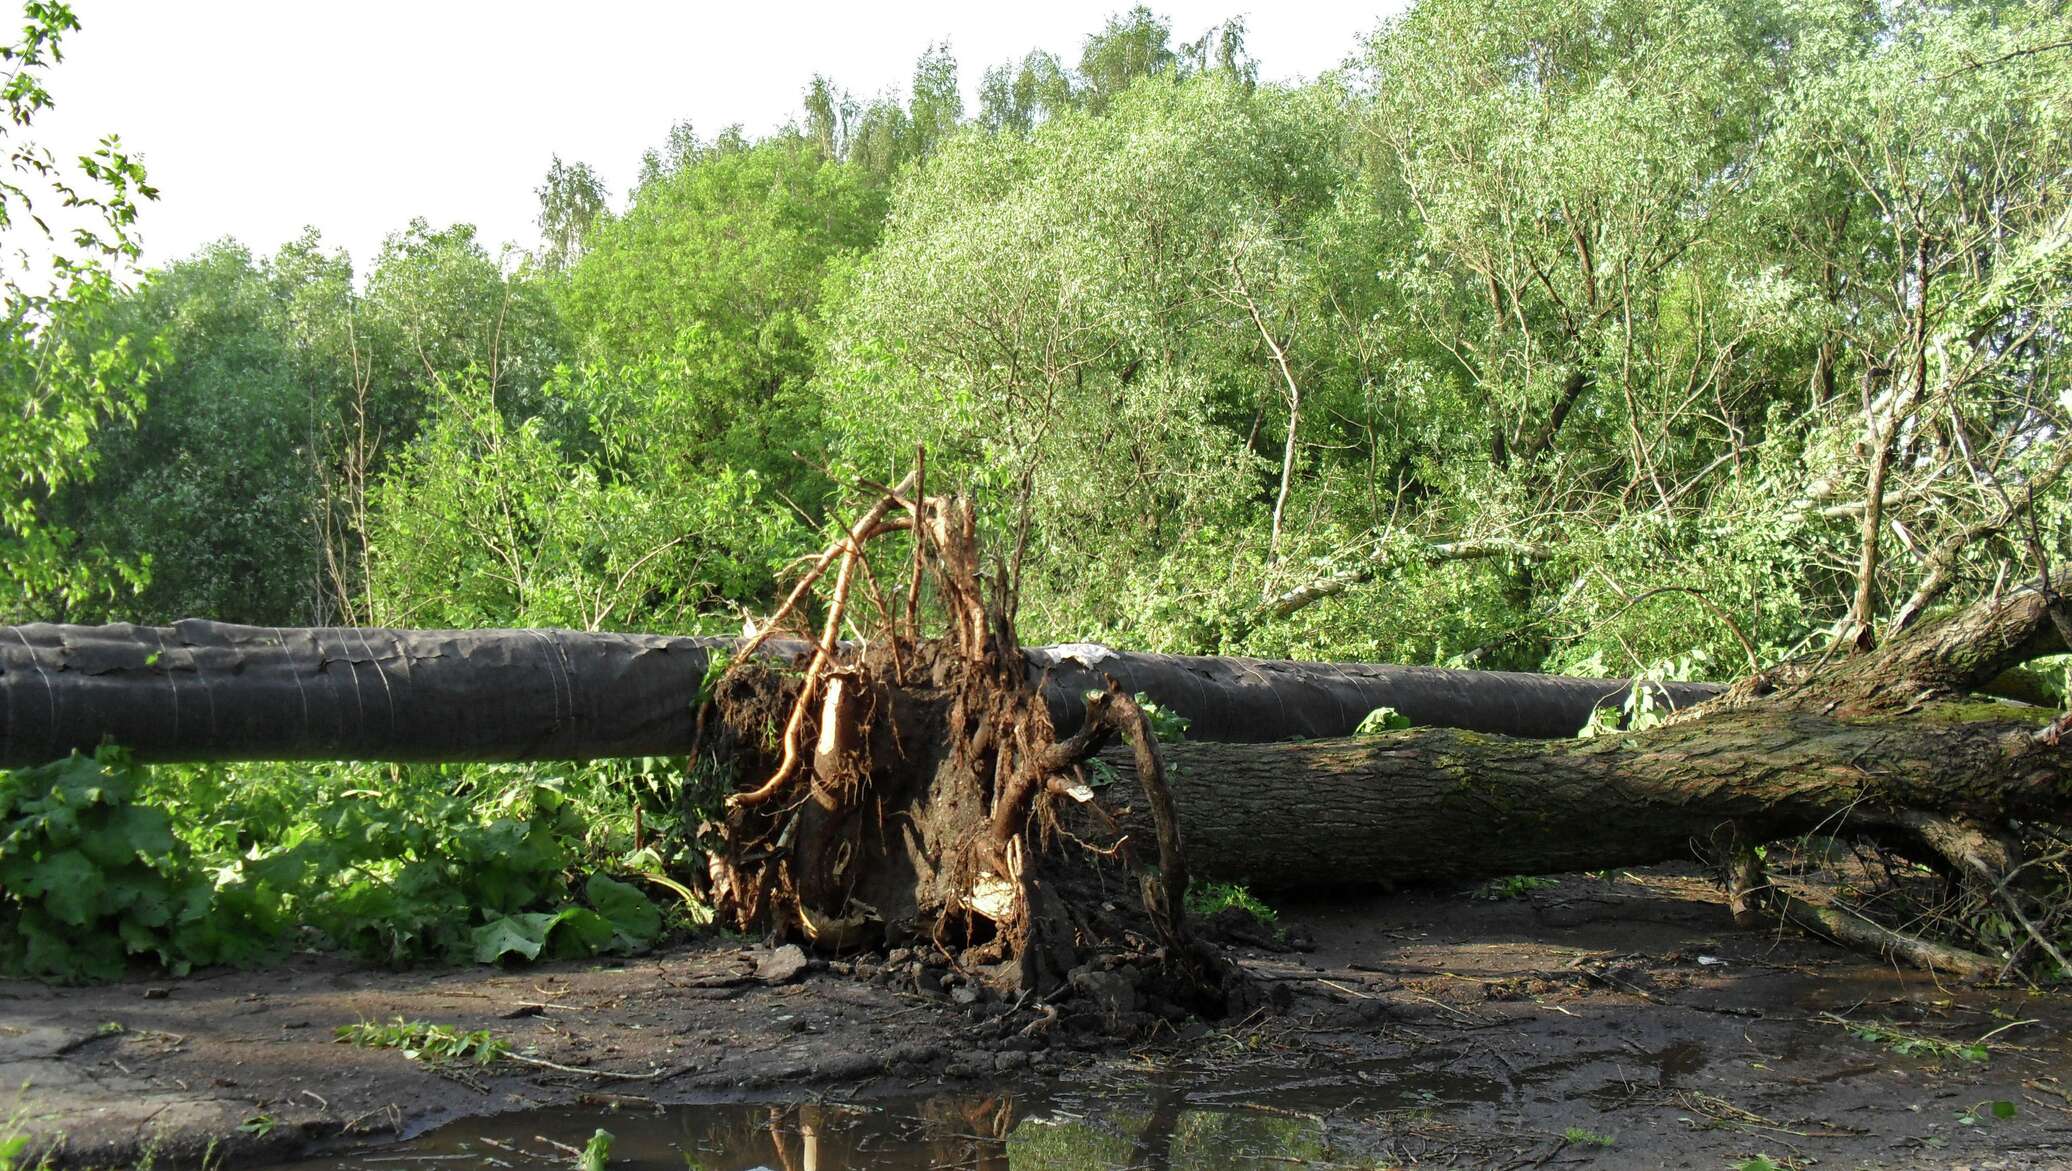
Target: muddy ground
[1429,1026]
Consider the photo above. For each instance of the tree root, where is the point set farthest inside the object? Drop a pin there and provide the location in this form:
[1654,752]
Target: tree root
[937,810]
[913,796]
[1754,896]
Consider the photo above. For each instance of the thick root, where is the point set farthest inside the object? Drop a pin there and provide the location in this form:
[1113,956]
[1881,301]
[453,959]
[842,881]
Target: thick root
[938,811]
[1755,898]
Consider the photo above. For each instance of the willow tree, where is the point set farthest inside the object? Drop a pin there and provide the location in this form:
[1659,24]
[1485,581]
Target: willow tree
[1767,293]
[71,240]
[1063,319]
[1920,188]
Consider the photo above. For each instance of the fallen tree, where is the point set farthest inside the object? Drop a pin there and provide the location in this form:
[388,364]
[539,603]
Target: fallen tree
[991,817]
[199,690]
[942,789]
[954,748]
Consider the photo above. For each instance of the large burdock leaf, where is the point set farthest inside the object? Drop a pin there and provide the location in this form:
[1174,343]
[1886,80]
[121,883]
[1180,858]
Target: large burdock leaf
[70,885]
[634,918]
[520,935]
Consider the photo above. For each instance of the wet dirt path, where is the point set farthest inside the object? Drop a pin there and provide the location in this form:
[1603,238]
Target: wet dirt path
[1616,1021]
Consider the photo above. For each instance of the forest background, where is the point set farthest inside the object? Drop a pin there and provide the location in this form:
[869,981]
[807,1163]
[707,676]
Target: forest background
[1586,336]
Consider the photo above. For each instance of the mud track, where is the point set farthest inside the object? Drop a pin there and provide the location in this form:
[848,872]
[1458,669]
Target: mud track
[1627,1006]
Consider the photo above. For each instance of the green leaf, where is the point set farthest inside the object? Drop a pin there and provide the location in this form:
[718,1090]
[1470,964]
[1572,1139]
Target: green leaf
[519,935]
[596,1152]
[1382,719]
[632,914]
[130,832]
[575,932]
[70,885]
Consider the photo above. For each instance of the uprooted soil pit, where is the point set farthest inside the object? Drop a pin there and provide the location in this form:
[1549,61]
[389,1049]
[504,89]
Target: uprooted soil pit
[1427,1026]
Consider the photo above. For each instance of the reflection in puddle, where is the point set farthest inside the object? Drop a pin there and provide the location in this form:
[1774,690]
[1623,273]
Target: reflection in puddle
[1355,1114]
[1270,1124]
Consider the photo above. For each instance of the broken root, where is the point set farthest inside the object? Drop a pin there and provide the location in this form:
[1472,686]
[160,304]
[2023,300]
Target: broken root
[937,810]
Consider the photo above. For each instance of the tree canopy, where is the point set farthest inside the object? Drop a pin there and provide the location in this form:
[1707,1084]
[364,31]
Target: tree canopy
[1593,337]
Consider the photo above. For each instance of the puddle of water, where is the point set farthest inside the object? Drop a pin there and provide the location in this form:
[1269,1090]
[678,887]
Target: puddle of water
[1294,1117]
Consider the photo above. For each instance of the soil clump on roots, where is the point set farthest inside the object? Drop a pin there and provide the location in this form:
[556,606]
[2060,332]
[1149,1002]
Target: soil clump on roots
[907,793]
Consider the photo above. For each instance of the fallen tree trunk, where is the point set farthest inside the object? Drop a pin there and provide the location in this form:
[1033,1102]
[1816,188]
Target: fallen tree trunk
[1441,804]
[943,806]
[1891,746]
[201,690]
[1894,745]
[923,790]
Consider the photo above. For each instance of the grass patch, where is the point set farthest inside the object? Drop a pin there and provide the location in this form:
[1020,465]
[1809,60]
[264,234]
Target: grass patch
[1515,887]
[429,1043]
[1576,1136]
[1207,898]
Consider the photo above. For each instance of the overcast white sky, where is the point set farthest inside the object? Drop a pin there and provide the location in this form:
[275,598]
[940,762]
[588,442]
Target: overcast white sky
[354,115]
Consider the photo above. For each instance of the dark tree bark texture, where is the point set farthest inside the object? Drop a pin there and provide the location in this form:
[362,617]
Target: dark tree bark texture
[201,690]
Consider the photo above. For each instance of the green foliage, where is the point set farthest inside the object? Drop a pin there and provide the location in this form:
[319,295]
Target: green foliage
[105,864]
[1167,726]
[89,879]
[11,1147]
[1638,712]
[1577,1136]
[61,376]
[572,202]
[1622,283]
[484,522]
[1381,719]
[597,1152]
[1906,1043]
[717,661]
[1207,898]
[694,313]
[1997,1110]
[1516,886]
[430,1043]
[620,918]
[1052,316]
[210,484]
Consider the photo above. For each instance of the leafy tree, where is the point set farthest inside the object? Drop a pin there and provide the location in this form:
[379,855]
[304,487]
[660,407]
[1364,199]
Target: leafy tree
[485,522]
[882,135]
[679,150]
[320,321]
[1015,98]
[1919,185]
[1057,318]
[1133,45]
[438,304]
[704,294]
[572,201]
[1566,179]
[936,106]
[71,229]
[828,111]
[210,483]
[1221,48]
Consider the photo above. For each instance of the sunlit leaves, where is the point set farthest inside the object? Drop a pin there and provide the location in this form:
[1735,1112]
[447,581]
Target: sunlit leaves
[70,229]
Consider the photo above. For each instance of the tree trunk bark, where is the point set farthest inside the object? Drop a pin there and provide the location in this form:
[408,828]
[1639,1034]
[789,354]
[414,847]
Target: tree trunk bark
[1893,743]
[1442,804]
[210,691]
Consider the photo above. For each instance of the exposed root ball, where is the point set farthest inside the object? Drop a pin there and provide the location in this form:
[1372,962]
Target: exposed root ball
[913,795]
